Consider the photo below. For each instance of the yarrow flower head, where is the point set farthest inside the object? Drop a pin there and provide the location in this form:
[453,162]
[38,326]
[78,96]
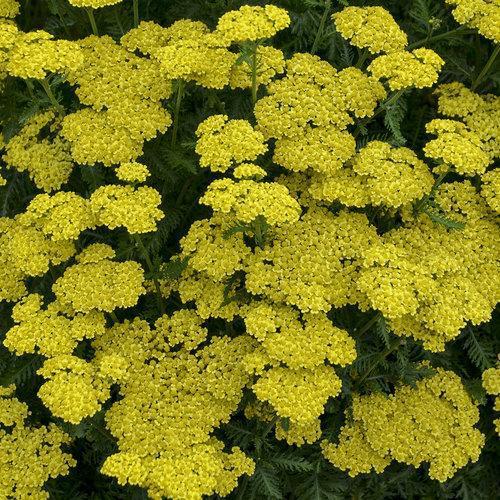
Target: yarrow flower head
[402,69]
[136,209]
[98,283]
[370,27]
[9,8]
[433,422]
[30,456]
[480,14]
[246,200]
[252,23]
[93,4]
[223,143]
[132,172]
[36,54]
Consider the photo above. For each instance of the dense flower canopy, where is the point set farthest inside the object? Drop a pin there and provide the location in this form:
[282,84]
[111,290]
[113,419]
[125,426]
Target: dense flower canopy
[248,252]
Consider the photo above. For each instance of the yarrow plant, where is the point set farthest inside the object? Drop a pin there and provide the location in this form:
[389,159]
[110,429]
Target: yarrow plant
[249,252]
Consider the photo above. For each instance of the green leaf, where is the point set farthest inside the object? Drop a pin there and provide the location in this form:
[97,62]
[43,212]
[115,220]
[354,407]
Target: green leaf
[267,482]
[441,219]
[393,119]
[291,462]
[479,351]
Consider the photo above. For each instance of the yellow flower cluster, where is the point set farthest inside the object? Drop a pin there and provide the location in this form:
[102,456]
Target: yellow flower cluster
[61,216]
[377,175]
[370,27]
[246,200]
[320,149]
[313,93]
[132,172]
[124,93]
[136,209]
[457,146]
[491,384]
[480,14]
[29,456]
[25,251]
[9,8]
[249,171]
[490,188]
[419,68]
[186,50]
[269,63]
[425,279]
[433,422]
[472,143]
[93,4]
[49,331]
[221,255]
[251,23]
[98,283]
[47,161]
[298,344]
[73,390]
[222,143]
[314,263]
[164,447]
[36,54]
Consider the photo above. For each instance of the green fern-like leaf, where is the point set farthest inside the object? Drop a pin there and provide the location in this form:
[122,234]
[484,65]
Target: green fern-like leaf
[393,119]
[290,462]
[267,482]
[479,351]
[441,219]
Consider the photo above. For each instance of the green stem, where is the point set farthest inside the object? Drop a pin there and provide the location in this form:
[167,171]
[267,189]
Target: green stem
[114,317]
[379,110]
[462,30]
[378,359]
[254,75]
[31,89]
[368,324]
[363,56]
[136,13]
[145,254]
[118,22]
[321,27]
[90,13]
[486,68]
[50,95]
[177,110]
[420,206]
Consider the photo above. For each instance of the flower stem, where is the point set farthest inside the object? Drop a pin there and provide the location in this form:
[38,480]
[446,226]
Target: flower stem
[379,110]
[321,27]
[254,74]
[177,110]
[136,13]
[420,205]
[486,68]
[392,347]
[145,254]
[462,30]
[50,95]
[90,13]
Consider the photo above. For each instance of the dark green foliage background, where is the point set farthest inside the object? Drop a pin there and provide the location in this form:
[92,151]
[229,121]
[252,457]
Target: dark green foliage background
[383,360]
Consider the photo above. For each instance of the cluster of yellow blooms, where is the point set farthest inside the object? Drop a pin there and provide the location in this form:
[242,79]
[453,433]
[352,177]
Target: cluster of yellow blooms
[171,401]
[222,143]
[29,456]
[483,15]
[433,422]
[470,145]
[370,27]
[377,175]
[491,384]
[47,160]
[277,254]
